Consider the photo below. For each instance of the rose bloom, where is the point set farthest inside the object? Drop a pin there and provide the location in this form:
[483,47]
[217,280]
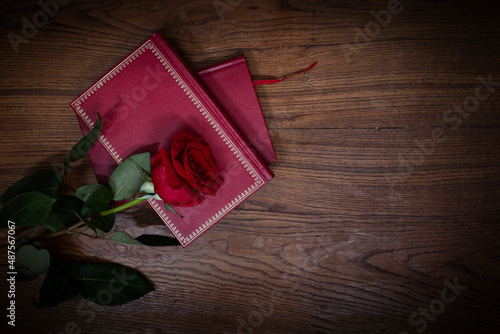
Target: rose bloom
[192,160]
[168,185]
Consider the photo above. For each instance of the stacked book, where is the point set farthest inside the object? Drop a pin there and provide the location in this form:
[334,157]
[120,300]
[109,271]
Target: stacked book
[151,95]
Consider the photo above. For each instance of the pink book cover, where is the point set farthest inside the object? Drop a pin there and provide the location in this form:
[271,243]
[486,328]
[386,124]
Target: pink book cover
[147,98]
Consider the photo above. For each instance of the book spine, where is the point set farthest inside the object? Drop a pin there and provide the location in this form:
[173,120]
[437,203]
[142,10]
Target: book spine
[211,107]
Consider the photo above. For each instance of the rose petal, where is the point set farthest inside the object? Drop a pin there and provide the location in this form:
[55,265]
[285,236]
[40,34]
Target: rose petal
[192,161]
[168,185]
[212,188]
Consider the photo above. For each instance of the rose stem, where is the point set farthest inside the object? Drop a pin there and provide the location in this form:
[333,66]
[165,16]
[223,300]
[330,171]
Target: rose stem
[123,206]
[69,229]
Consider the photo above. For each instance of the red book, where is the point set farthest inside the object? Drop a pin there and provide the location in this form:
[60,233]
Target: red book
[231,86]
[147,98]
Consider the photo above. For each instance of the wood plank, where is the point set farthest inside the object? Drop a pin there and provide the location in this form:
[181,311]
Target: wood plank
[382,198]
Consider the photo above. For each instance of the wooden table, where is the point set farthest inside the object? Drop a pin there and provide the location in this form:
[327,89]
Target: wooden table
[383,216]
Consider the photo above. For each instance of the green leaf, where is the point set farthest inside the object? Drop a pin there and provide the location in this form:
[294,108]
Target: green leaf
[110,283]
[70,208]
[144,240]
[99,233]
[54,221]
[66,211]
[103,223]
[57,286]
[86,211]
[169,208]
[127,179]
[95,197]
[82,148]
[124,238]
[47,182]
[157,240]
[31,262]
[105,283]
[29,209]
[144,168]
[100,283]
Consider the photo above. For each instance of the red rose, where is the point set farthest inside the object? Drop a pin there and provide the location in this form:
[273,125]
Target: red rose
[168,185]
[192,160]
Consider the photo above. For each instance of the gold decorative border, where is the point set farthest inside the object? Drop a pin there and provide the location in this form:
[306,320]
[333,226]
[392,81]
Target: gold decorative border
[149,45]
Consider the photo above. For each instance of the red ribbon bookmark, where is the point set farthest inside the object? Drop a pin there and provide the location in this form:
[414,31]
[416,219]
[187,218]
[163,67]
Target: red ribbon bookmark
[273,81]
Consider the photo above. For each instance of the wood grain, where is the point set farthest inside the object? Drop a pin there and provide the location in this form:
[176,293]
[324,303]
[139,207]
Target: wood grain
[385,193]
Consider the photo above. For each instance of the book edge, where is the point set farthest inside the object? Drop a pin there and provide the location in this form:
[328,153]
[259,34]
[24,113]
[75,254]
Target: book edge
[228,63]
